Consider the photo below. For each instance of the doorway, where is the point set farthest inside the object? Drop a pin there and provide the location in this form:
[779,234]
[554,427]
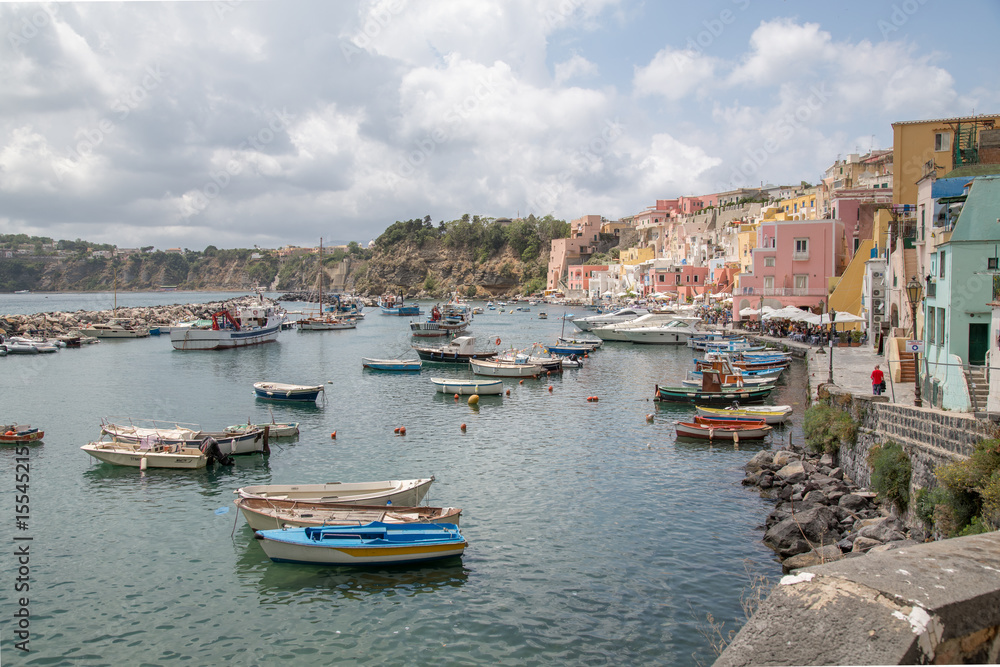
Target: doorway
[979,343]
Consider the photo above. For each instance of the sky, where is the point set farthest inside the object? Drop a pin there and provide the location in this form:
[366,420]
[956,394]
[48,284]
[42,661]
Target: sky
[236,123]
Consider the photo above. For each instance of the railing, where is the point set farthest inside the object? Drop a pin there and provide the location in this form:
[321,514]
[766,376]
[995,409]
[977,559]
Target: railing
[783,291]
[800,256]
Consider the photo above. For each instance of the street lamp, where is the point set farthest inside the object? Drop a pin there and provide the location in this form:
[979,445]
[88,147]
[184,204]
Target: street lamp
[914,290]
[833,331]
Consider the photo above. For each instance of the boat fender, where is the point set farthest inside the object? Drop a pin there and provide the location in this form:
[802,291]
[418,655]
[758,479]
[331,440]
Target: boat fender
[143,463]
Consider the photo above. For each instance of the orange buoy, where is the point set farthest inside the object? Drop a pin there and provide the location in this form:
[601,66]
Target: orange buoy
[548,372]
[456,397]
[395,430]
[462,427]
[333,436]
[474,399]
[596,399]
[521,382]
[649,418]
[402,430]
[508,392]
[550,388]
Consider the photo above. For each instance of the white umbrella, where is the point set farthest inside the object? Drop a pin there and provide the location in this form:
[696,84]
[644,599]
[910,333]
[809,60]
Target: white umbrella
[812,319]
[802,316]
[747,312]
[783,314]
[847,318]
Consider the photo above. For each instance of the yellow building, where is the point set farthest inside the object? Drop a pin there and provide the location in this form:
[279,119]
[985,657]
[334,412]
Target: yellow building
[922,146]
[633,256]
[802,206]
[746,242]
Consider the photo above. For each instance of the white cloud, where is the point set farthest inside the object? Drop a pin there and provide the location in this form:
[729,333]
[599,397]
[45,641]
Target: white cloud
[675,74]
[577,66]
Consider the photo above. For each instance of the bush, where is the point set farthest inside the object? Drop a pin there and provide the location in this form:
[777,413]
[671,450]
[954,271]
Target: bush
[827,429]
[973,486]
[891,474]
[927,501]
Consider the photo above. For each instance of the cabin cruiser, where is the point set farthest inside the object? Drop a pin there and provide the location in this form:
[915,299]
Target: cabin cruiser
[622,315]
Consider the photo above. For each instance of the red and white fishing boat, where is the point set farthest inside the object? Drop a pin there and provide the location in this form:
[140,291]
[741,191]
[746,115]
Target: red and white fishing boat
[713,429]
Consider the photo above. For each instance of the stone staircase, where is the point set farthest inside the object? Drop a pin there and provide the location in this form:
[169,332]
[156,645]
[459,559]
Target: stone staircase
[978,384]
[907,367]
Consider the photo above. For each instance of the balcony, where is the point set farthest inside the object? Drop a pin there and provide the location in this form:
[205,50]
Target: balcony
[783,291]
[800,256]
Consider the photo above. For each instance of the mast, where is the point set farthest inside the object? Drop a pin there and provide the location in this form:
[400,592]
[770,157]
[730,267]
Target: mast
[321,276]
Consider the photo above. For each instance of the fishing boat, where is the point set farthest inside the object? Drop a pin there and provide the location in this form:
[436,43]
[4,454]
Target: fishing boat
[24,345]
[155,454]
[396,306]
[268,514]
[325,321]
[517,368]
[391,364]
[550,363]
[254,324]
[622,315]
[695,379]
[566,349]
[467,387]
[592,343]
[274,429]
[771,414]
[543,316]
[373,544]
[698,342]
[279,391]
[708,429]
[711,391]
[458,351]
[16,434]
[152,432]
[404,492]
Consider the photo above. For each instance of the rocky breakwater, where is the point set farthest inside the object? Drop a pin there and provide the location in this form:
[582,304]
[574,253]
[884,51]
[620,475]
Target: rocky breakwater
[820,515]
[59,323]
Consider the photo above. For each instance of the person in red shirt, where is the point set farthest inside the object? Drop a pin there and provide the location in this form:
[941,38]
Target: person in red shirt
[877,379]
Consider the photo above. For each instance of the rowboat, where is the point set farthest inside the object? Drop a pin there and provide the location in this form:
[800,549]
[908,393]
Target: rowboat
[268,514]
[373,544]
[458,351]
[391,364]
[153,432]
[771,414]
[711,391]
[326,323]
[722,430]
[274,429]
[278,391]
[15,434]
[694,379]
[456,386]
[507,369]
[406,492]
[116,327]
[156,454]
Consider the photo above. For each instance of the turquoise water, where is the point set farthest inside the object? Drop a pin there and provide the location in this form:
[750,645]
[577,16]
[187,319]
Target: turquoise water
[594,537]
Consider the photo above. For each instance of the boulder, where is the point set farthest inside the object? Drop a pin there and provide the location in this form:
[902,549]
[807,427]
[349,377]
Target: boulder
[853,502]
[824,554]
[888,529]
[766,481]
[826,460]
[752,479]
[895,544]
[792,473]
[837,473]
[759,460]
[782,457]
[813,527]
[863,544]
[815,497]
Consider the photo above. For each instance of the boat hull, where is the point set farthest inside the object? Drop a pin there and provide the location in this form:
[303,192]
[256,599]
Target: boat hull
[285,430]
[711,432]
[33,435]
[271,391]
[693,395]
[188,339]
[468,387]
[263,514]
[406,493]
[490,368]
[438,356]
[770,417]
[406,543]
[391,364]
[119,455]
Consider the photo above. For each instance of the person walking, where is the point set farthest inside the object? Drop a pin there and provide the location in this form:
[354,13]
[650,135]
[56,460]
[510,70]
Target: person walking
[878,380]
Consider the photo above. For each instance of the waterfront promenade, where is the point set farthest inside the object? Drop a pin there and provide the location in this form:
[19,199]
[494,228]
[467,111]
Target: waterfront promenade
[852,368]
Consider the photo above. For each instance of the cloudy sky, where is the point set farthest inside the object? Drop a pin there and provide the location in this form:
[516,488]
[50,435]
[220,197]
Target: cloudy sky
[267,123]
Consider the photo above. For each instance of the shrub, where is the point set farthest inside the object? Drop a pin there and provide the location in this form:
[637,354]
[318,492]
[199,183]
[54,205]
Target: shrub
[827,429]
[974,489]
[926,502]
[891,474]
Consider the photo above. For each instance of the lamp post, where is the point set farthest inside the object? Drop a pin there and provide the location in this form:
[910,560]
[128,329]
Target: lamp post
[914,290]
[833,331]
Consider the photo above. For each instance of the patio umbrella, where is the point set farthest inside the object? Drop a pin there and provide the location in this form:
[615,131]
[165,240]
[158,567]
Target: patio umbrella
[847,318]
[785,313]
[747,312]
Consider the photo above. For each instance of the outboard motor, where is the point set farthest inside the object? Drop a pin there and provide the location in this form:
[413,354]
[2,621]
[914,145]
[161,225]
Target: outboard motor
[210,448]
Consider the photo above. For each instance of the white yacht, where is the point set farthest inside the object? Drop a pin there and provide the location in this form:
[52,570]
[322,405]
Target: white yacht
[675,332]
[623,315]
[617,331]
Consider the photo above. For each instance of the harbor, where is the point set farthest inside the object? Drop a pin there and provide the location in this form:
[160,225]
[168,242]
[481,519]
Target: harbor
[585,519]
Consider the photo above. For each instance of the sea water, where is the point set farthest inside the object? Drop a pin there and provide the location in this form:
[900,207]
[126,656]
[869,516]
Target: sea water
[595,537]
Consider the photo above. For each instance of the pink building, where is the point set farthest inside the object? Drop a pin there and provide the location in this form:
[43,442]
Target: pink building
[582,242]
[684,280]
[792,265]
[856,207]
[579,276]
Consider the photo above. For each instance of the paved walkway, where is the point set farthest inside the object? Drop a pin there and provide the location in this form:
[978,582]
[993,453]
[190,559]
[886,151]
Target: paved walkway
[852,368]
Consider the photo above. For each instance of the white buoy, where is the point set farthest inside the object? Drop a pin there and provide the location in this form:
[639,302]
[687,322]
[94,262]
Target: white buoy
[143,463]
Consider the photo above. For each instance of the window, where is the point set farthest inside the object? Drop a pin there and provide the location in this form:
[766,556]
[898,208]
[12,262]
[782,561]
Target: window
[942,141]
[677,279]
[768,282]
[801,249]
[687,279]
[696,278]
[769,261]
[929,326]
[991,263]
[662,278]
[940,326]
[941,274]
[801,282]
[857,244]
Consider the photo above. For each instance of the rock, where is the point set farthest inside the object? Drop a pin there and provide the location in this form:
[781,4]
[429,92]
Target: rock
[782,457]
[895,544]
[824,554]
[846,544]
[815,498]
[785,492]
[766,481]
[826,460]
[809,467]
[751,479]
[863,544]
[834,496]
[792,473]
[837,473]
[759,460]
[814,527]
[852,502]
[888,529]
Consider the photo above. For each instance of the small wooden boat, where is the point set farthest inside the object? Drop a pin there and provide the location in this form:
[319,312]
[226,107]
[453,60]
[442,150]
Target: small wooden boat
[274,429]
[16,434]
[391,364]
[771,414]
[278,391]
[506,369]
[456,386]
[710,429]
[458,351]
[156,455]
[711,391]
[405,492]
[152,432]
[326,323]
[268,514]
[373,544]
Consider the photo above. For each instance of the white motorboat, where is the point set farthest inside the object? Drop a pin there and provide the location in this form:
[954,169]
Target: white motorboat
[250,325]
[116,327]
[622,315]
[617,331]
[143,455]
[518,368]
[406,492]
[675,332]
